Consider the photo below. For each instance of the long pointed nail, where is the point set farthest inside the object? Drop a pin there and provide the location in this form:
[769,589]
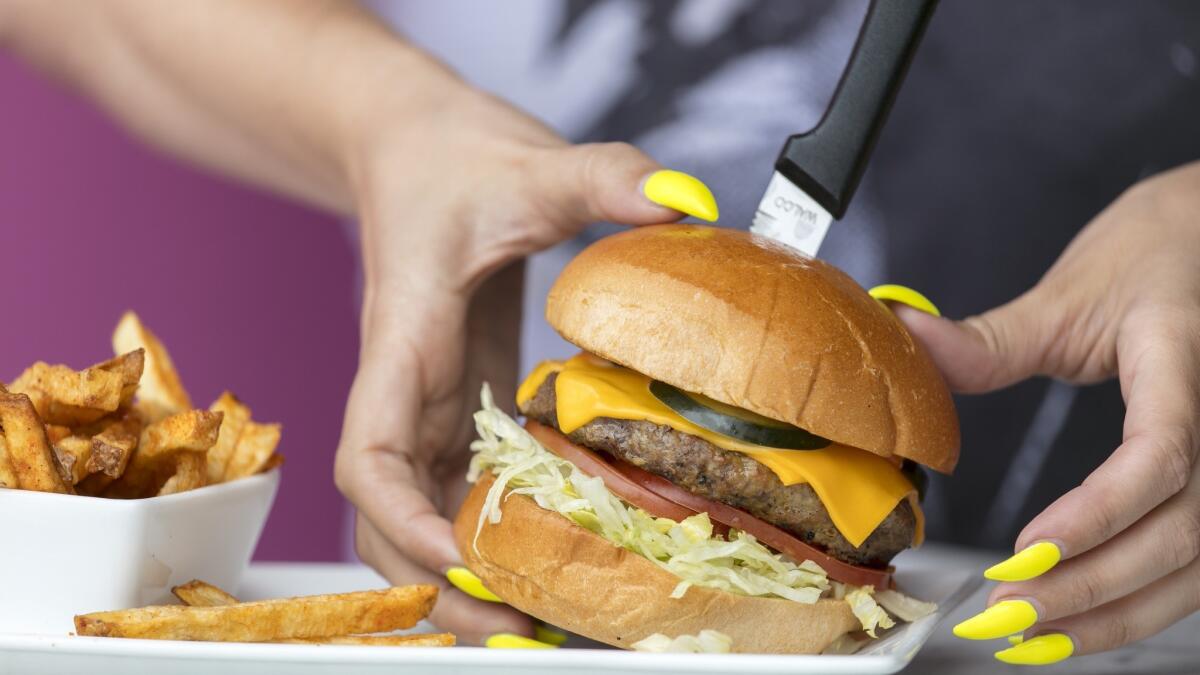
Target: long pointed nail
[682,192]
[1003,618]
[905,296]
[551,636]
[466,581]
[511,641]
[1032,561]
[1039,651]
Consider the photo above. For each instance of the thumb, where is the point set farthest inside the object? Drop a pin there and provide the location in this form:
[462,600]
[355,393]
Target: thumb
[988,351]
[618,183]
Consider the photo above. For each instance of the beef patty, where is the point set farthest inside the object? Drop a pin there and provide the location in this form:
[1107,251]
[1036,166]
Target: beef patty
[732,478]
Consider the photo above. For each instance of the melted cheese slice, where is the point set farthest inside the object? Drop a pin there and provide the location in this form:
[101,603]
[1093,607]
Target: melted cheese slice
[859,489]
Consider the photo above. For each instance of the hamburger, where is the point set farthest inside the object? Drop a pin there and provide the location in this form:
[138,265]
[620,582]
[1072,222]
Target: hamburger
[738,447]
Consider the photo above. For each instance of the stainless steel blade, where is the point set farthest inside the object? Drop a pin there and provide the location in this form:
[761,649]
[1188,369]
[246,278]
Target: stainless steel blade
[788,215]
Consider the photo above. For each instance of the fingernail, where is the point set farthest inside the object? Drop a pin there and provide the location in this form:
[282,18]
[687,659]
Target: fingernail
[549,635]
[466,581]
[682,192]
[905,296]
[510,641]
[1032,561]
[1003,618]
[1016,639]
[1039,651]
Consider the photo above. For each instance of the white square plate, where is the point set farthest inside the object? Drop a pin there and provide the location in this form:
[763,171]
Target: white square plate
[36,654]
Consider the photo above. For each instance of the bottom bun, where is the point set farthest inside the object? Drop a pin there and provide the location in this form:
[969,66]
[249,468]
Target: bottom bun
[548,567]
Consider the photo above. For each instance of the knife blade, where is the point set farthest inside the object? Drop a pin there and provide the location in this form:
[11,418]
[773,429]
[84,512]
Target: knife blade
[817,172]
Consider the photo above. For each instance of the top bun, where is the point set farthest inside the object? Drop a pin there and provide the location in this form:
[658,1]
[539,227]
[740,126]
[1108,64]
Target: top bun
[754,324]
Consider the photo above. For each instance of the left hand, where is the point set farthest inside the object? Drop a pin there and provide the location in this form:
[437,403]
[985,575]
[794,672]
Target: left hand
[1123,300]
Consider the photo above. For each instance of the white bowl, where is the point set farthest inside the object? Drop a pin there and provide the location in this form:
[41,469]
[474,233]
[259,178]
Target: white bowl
[62,555]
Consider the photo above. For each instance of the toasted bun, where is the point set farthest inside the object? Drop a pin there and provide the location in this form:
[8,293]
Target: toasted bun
[752,323]
[548,567]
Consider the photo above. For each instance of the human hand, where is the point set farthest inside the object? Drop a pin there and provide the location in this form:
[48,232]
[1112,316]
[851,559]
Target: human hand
[450,201]
[1123,300]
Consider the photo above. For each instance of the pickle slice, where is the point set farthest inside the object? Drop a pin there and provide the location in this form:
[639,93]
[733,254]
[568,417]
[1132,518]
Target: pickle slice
[736,423]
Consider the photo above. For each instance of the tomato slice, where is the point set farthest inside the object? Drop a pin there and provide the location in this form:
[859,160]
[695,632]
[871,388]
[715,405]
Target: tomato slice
[660,497]
[594,465]
[772,536]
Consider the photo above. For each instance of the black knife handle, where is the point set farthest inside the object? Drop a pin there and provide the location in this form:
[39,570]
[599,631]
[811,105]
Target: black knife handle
[828,161]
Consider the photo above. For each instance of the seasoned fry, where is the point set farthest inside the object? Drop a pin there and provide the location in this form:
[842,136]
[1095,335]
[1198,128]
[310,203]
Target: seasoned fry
[198,593]
[28,450]
[57,432]
[155,461]
[418,640]
[273,462]
[189,474]
[73,453]
[8,475]
[253,449]
[88,388]
[316,616]
[161,393]
[113,446]
[237,414]
[129,366]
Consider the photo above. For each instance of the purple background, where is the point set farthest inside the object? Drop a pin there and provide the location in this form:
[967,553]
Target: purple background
[248,292]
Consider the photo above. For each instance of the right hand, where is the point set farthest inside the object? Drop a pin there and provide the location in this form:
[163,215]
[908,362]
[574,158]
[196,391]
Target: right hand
[450,201]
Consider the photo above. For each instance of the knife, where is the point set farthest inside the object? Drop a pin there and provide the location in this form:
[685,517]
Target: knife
[817,172]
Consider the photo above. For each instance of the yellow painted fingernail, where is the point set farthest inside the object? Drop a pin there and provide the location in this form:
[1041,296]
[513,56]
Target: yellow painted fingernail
[466,581]
[549,635]
[1001,619]
[682,192]
[1039,651]
[905,296]
[510,641]
[1016,639]
[1032,561]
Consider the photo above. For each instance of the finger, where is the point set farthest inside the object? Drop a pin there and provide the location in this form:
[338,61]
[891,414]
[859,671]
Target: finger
[1166,540]
[1133,617]
[375,468]
[473,621]
[618,183]
[991,350]
[1153,463]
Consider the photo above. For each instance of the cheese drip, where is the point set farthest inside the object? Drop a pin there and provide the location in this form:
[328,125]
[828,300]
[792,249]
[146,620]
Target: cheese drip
[858,488]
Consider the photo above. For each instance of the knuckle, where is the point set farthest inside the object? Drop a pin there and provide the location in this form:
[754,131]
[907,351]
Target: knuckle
[1175,456]
[1088,591]
[1184,547]
[1117,632]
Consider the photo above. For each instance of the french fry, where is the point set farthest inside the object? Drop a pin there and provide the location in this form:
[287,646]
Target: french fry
[317,616]
[129,366]
[161,392]
[73,454]
[189,474]
[161,443]
[418,640]
[237,414]
[113,446]
[273,462]
[57,432]
[67,397]
[196,593]
[253,450]
[8,475]
[29,452]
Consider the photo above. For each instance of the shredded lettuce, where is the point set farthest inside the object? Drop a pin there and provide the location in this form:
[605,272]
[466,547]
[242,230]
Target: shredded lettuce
[706,642]
[688,549]
[870,614]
